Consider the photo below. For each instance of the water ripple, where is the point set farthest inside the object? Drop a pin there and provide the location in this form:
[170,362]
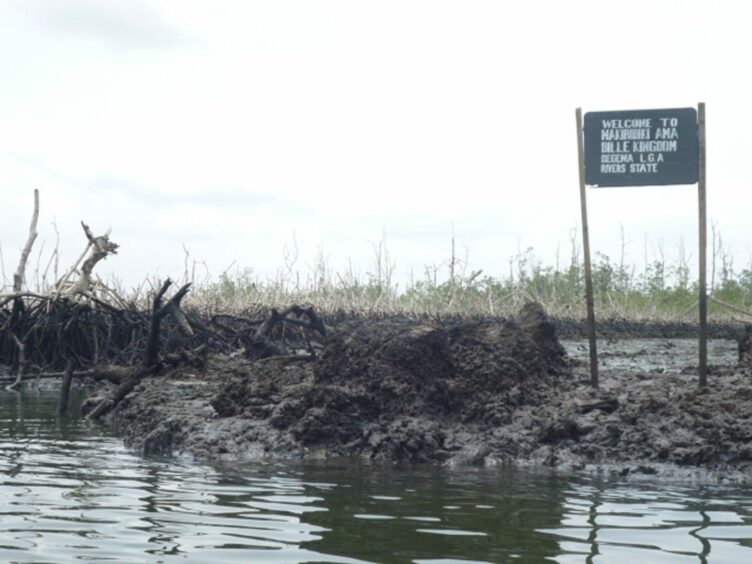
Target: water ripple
[630,523]
[69,491]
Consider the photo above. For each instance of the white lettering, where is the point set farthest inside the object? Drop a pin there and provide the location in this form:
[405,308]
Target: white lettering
[666,133]
[642,167]
[637,145]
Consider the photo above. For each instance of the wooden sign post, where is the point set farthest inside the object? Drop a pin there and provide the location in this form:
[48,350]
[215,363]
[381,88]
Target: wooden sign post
[586,250]
[642,148]
[702,207]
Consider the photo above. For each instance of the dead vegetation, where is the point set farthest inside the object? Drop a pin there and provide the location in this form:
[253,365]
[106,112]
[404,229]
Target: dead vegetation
[90,330]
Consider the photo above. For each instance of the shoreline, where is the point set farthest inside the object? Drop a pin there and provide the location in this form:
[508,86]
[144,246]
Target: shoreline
[451,393]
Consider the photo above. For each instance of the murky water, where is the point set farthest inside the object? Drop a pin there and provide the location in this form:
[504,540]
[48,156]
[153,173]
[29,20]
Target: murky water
[657,356]
[70,492]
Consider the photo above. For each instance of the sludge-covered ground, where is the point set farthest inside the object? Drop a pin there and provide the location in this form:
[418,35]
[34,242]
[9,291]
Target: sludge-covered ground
[660,422]
[485,392]
[654,356]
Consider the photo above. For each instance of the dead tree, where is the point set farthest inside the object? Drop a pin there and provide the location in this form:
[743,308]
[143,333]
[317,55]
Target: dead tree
[37,321]
[84,326]
[314,321]
[20,274]
[150,364]
[18,305]
[262,346]
[98,248]
[22,363]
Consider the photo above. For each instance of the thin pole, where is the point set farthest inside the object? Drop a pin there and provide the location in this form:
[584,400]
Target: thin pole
[62,405]
[702,208]
[586,249]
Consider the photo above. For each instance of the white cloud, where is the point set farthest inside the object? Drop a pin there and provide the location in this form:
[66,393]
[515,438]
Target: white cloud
[337,120]
[117,24]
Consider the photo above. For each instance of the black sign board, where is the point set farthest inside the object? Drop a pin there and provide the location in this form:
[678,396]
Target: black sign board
[641,147]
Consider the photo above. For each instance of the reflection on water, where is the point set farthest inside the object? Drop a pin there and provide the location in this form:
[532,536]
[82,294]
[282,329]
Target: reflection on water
[622,523]
[70,492]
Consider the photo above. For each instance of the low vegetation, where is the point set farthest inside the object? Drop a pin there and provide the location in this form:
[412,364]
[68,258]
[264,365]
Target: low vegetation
[657,290]
[660,291]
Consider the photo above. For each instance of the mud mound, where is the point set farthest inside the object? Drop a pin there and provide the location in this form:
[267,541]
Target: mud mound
[481,392]
[391,388]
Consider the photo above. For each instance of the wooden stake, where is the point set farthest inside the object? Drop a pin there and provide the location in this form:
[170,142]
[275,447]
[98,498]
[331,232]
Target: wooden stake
[62,405]
[586,251]
[702,208]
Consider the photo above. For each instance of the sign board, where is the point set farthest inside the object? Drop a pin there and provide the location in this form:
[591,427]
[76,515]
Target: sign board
[644,148]
[641,147]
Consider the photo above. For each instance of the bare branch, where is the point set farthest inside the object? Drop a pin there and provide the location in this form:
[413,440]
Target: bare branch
[22,363]
[18,277]
[101,247]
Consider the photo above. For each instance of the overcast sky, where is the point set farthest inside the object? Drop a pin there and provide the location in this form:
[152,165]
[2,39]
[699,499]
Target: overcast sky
[234,128]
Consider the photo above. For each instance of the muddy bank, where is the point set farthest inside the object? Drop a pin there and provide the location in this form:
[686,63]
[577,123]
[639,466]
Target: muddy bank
[480,392]
[610,328]
[392,389]
[631,329]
